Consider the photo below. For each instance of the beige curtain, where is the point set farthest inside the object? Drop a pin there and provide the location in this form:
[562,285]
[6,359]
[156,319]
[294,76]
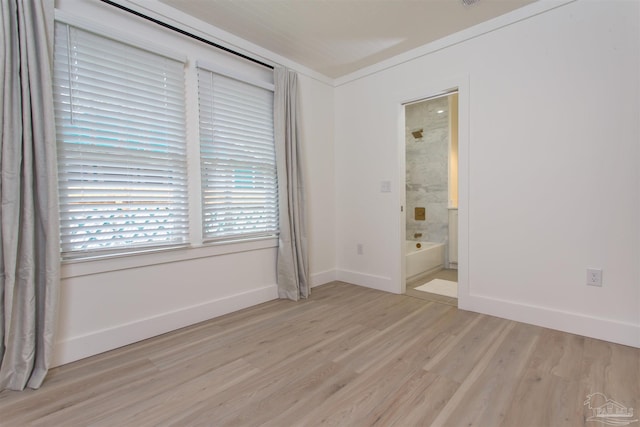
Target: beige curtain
[292,265]
[29,220]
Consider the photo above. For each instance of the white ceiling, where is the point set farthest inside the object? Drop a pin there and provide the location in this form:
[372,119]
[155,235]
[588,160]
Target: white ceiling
[338,37]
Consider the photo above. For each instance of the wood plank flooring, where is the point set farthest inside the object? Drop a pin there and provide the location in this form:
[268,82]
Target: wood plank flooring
[348,356]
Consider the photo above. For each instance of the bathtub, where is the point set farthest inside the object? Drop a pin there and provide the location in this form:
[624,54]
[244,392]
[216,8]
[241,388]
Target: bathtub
[427,258]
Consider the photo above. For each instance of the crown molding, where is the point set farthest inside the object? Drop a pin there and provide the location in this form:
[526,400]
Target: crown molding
[513,17]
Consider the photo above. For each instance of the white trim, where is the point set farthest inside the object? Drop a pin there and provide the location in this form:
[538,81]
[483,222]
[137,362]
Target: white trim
[217,69]
[401,166]
[194,171]
[589,326]
[108,32]
[367,280]
[124,261]
[440,94]
[322,277]
[79,347]
[521,14]
[433,89]
[170,15]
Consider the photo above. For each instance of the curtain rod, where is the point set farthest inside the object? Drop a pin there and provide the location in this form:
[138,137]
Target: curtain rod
[186,33]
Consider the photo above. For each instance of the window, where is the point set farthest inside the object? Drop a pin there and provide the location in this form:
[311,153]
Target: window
[120,118]
[237,156]
[129,165]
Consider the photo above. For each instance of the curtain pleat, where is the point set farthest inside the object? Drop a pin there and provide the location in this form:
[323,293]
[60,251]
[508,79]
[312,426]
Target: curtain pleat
[292,263]
[29,219]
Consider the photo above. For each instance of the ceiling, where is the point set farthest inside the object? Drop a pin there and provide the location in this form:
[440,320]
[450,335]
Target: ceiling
[338,37]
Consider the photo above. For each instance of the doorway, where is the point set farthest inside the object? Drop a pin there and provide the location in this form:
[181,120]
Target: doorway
[431,198]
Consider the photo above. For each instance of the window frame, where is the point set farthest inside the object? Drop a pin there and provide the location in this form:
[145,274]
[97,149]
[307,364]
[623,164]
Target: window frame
[128,206]
[196,247]
[245,80]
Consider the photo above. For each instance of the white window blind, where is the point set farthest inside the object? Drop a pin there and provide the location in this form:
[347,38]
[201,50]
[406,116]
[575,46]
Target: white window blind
[238,166]
[120,117]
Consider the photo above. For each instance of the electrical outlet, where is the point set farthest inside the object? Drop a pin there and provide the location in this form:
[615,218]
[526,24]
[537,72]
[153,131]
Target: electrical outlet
[359,249]
[594,276]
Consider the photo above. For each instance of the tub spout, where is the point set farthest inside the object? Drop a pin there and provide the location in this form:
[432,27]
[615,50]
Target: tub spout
[417,235]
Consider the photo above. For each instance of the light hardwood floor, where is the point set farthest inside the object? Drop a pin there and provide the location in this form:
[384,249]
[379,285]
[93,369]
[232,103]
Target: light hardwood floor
[348,356]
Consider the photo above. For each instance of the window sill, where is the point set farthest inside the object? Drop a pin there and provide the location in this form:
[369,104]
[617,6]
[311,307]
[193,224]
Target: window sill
[88,266]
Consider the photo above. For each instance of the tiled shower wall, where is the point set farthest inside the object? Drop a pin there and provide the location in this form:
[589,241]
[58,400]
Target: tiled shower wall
[427,169]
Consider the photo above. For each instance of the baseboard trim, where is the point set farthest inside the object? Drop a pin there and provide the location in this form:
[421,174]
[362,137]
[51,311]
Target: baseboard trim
[322,277]
[575,323]
[367,280]
[425,274]
[79,347]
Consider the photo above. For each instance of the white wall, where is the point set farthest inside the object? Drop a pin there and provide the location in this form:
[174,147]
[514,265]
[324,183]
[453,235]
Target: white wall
[104,304]
[550,124]
[113,302]
[549,143]
[317,135]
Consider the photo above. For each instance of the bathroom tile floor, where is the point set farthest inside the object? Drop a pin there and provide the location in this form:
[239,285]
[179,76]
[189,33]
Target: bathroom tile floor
[445,274]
